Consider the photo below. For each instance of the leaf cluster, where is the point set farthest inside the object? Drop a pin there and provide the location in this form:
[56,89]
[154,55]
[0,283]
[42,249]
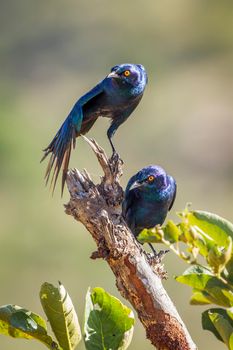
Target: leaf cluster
[203,240]
[108,324]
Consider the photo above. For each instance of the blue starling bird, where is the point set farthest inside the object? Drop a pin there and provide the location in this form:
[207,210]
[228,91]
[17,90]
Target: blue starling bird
[149,196]
[115,97]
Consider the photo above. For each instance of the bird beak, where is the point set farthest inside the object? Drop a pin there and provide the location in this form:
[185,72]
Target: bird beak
[113,75]
[136,184]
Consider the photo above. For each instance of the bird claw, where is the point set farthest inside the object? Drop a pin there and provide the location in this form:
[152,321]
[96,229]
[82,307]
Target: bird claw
[115,156]
[115,163]
[162,253]
[156,258]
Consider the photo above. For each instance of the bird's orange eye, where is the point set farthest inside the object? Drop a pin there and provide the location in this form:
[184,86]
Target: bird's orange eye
[151,178]
[126,73]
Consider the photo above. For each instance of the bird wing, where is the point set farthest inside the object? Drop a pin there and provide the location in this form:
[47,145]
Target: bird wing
[125,207]
[128,196]
[61,145]
[173,198]
[95,91]
[127,210]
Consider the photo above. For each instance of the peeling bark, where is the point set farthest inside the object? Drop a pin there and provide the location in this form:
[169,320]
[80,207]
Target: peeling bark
[138,274]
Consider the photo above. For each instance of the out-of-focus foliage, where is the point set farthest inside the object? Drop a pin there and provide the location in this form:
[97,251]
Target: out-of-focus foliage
[202,235]
[53,51]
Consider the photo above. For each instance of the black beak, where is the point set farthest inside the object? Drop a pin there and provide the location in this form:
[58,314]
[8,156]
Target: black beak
[136,184]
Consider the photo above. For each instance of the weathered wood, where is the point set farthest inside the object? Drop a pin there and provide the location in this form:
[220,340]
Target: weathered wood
[138,275]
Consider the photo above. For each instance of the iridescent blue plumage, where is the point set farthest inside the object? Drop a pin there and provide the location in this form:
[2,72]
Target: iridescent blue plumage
[149,196]
[115,97]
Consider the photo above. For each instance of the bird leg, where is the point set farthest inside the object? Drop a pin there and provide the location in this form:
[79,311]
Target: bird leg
[110,133]
[158,256]
[115,159]
[153,249]
[112,145]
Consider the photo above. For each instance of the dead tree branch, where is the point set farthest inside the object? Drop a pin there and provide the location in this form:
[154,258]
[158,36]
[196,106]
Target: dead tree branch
[138,277]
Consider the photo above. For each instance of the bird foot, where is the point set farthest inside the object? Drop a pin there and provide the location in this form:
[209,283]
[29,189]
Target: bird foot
[115,157]
[116,164]
[156,258]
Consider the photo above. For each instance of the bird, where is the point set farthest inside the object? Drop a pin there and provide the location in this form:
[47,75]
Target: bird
[148,197]
[115,97]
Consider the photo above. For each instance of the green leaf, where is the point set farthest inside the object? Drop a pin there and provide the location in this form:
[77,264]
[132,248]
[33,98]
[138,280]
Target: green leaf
[214,227]
[21,323]
[200,298]
[195,276]
[202,280]
[228,272]
[208,325]
[61,314]
[171,232]
[222,325]
[229,295]
[108,323]
[220,259]
[149,236]
[193,236]
[231,342]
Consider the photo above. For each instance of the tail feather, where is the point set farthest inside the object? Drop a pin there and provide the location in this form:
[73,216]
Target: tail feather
[65,166]
[60,149]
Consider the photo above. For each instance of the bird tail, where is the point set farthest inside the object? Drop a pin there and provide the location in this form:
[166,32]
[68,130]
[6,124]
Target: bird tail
[60,149]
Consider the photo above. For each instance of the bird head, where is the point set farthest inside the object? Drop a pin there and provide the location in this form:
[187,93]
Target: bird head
[149,179]
[130,75]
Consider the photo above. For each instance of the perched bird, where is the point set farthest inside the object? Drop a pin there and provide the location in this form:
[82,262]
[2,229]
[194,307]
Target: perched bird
[115,97]
[149,196]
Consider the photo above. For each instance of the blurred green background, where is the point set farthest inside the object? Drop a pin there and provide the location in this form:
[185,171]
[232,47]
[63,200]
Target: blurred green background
[51,52]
